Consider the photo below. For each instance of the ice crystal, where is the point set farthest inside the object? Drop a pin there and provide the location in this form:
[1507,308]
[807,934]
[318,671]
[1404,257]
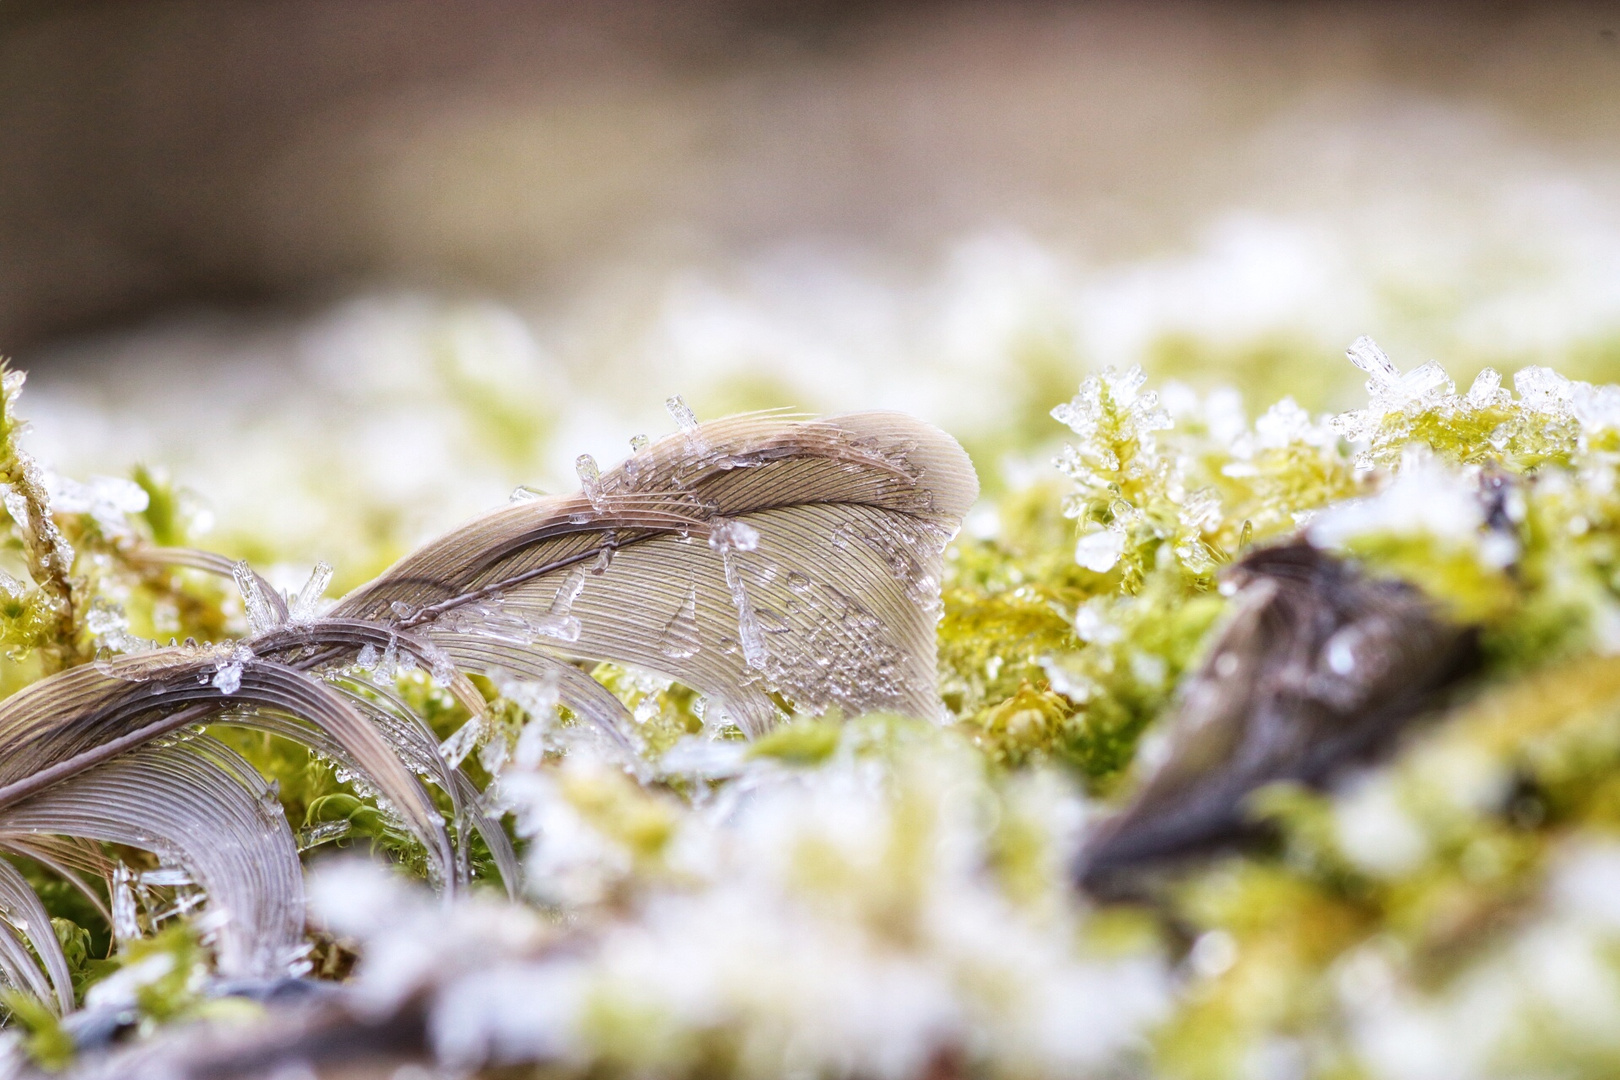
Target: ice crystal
[854,915]
[228,671]
[727,538]
[109,501]
[125,923]
[558,623]
[524,493]
[590,480]
[682,413]
[1484,426]
[306,605]
[105,620]
[261,615]
[228,678]
[680,638]
[462,742]
[1099,551]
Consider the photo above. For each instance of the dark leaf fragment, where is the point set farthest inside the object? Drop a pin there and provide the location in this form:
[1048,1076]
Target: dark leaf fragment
[1316,667]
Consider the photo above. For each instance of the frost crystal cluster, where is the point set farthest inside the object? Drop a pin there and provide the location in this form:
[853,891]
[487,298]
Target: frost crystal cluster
[881,912]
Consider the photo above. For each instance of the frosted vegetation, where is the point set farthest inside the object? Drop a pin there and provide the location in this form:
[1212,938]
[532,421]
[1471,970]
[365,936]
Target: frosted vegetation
[736,763]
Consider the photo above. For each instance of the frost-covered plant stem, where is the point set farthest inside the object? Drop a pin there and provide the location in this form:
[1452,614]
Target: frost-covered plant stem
[50,559]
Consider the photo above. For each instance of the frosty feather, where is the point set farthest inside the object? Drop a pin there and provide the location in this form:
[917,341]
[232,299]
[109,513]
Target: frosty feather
[794,551]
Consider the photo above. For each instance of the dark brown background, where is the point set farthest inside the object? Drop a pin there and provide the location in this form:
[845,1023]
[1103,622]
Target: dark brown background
[158,156]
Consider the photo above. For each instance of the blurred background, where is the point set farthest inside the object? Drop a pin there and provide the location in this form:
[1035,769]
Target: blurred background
[350,270]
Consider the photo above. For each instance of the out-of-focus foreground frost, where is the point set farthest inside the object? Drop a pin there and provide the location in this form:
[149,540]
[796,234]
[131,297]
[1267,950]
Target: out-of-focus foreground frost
[884,911]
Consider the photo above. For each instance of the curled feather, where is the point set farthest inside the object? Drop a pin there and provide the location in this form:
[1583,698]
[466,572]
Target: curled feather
[745,557]
[759,559]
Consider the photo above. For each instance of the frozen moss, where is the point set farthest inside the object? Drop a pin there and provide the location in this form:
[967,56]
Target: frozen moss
[878,896]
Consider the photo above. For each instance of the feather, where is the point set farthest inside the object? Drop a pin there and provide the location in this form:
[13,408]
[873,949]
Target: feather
[581,693]
[30,925]
[754,558]
[742,557]
[200,807]
[209,563]
[90,753]
[61,726]
[1315,666]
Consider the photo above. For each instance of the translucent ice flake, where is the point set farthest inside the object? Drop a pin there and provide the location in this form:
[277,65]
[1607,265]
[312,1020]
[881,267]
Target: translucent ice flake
[703,758]
[1424,498]
[680,638]
[441,668]
[17,506]
[1391,391]
[1286,423]
[1366,355]
[1544,390]
[590,481]
[462,742]
[261,614]
[1201,510]
[750,635]
[493,756]
[1486,390]
[126,924]
[559,622]
[1064,679]
[102,618]
[1113,395]
[537,697]
[638,443]
[681,412]
[105,620]
[1092,625]
[324,833]
[307,604]
[1425,385]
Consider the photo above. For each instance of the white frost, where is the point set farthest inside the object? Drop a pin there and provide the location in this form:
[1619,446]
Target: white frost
[1100,551]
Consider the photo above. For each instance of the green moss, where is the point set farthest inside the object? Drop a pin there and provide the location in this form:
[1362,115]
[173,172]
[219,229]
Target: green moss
[47,1043]
[802,742]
